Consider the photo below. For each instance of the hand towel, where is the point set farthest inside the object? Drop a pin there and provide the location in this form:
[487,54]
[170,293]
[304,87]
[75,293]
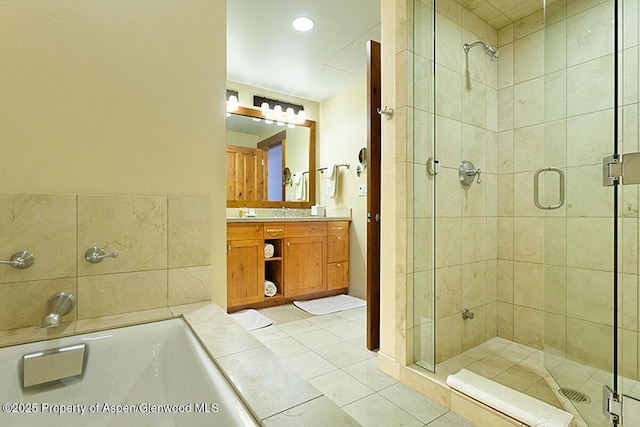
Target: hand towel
[298,185]
[269,250]
[270,288]
[332,181]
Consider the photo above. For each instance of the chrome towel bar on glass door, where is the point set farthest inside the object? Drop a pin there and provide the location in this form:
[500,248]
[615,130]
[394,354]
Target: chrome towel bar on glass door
[536,194]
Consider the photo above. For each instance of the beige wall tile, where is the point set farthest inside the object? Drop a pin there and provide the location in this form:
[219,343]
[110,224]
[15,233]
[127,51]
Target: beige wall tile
[505,281]
[589,86]
[555,241]
[555,334]
[44,225]
[505,320]
[589,295]
[505,66]
[528,153]
[628,300]
[528,326]
[474,331]
[589,138]
[448,242]
[628,348]
[423,235]
[506,108]
[555,289]
[135,226]
[590,343]
[423,298]
[590,34]
[529,57]
[449,140]
[505,152]
[448,291]
[25,302]
[555,96]
[528,239]
[523,196]
[189,232]
[528,285]
[448,337]
[448,93]
[505,237]
[449,43]
[187,285]
[474,100]
[473,284]
[111,294]
[505,35]
[587,240]
[528,101]
[473,235]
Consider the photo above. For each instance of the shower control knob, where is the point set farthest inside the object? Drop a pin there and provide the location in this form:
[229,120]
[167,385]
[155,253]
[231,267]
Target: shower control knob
[95,255]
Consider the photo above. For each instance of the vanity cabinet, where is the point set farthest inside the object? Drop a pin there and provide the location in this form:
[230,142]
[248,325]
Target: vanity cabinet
[305,254]
[310,260]
[337,255]
[245,264]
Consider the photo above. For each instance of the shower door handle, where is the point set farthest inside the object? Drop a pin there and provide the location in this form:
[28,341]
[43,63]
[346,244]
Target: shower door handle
[536,188]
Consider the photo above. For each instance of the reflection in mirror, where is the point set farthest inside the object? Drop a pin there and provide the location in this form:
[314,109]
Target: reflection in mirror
[259,154]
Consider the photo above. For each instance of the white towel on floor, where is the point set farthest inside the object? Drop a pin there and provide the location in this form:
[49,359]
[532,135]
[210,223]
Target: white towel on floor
[523,408]
[332,181]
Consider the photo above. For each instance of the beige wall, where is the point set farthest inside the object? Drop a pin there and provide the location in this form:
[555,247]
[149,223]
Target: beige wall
[343,126]
[116,98]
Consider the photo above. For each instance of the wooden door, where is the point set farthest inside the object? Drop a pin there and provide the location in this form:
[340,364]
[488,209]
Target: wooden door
[305,260]
[374,144]
[245,173]
[245,271]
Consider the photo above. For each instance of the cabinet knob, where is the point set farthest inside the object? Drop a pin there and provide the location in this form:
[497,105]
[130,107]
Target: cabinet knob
[228,247]
[339,265]
[288,243]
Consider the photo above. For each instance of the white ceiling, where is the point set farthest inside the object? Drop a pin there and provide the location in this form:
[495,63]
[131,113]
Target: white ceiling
[263,49]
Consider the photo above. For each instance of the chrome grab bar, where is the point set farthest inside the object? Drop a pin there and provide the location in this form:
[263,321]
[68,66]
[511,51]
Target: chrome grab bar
[536,186]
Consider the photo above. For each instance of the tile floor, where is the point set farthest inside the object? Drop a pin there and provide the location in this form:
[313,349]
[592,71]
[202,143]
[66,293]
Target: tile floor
[330,352]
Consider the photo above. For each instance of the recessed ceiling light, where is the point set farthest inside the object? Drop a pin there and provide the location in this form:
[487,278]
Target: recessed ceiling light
[302,23]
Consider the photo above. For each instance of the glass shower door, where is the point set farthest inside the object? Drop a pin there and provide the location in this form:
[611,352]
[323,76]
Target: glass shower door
[591,243]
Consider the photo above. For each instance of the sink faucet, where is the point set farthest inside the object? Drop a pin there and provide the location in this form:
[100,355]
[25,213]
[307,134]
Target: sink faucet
[58,305]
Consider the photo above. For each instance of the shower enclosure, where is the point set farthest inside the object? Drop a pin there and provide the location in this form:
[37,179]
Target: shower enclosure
[523,115]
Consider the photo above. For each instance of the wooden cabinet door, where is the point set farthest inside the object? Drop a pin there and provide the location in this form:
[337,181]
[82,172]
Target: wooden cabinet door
[337,275]
[245,271]
[305,260]
[245,174]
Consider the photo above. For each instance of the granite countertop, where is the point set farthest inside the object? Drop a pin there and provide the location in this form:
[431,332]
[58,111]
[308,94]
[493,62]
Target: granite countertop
[292,219]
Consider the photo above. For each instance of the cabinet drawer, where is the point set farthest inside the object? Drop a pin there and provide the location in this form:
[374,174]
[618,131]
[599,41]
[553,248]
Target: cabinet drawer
[337,228]
[338,248]
[244,231]
[305,229]
[337,275]
[273,230]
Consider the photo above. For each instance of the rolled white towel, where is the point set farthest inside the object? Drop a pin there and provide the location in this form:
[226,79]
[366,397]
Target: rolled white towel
[270,288]
[269,250]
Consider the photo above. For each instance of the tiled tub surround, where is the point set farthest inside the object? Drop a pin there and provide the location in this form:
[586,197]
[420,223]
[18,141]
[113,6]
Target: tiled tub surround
[164,248]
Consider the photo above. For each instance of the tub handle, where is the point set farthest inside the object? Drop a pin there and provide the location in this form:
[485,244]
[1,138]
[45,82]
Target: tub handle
[20,260]
[95,255]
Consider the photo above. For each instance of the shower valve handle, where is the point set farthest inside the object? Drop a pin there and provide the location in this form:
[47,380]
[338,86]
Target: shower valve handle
[95,255]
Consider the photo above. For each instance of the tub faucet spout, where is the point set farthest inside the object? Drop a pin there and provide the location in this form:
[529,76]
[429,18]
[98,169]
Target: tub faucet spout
[58,305]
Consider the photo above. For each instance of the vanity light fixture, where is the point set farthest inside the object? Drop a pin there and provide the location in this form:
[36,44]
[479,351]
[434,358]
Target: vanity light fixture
[280,111]
[232,101]
[302,23]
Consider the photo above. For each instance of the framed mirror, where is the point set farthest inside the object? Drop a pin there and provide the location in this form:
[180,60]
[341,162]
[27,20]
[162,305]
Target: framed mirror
[269,166]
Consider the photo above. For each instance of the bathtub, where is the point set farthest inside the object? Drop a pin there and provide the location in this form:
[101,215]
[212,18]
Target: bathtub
[147,375]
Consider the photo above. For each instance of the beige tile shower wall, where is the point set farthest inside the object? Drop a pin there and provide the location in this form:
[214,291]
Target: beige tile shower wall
[466,224]
[163,244]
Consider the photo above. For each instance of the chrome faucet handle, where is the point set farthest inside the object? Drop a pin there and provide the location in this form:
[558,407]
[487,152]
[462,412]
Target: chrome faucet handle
[95,255]
[20,260]
[478,172]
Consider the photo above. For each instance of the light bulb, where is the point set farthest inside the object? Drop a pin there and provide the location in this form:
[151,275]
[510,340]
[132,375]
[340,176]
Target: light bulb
[291,115]
[302,116]
[264,107]
[302,23]
[277,111]
[232,103]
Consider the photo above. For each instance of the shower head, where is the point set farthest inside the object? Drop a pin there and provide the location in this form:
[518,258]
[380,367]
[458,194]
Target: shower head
[488,49]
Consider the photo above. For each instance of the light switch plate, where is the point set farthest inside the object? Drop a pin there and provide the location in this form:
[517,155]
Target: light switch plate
[362,190]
